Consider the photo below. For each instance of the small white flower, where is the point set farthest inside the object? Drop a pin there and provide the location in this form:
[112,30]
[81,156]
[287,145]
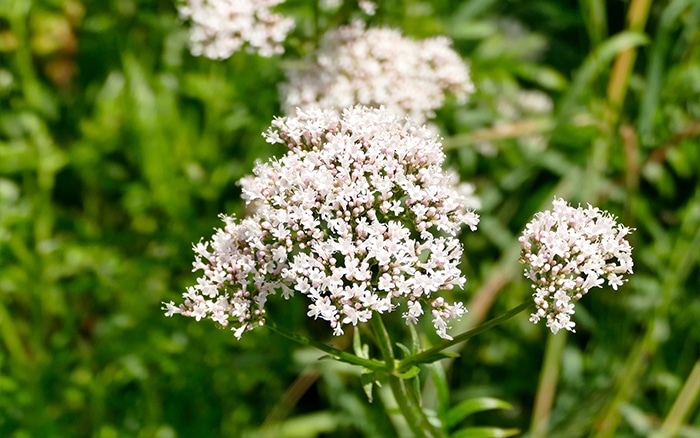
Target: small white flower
[171,309]
[441,326]
[615,281]
[568,251]
[414,311]
[238,332]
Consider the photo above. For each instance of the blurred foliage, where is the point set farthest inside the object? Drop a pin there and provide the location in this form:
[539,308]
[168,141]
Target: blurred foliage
[118,149]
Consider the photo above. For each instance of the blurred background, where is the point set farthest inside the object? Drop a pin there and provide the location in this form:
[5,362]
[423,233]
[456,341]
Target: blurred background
[118,149]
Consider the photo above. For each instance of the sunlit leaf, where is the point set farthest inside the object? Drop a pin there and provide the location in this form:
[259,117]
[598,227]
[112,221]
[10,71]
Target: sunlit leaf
[484,432]
[472,406]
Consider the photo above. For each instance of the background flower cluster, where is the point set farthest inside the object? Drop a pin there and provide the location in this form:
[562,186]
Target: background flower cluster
[378,66]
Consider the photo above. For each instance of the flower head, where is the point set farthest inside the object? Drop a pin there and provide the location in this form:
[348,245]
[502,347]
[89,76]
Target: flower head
[379,66]
[368,7]
[358,216]
[222,27]
[567,251]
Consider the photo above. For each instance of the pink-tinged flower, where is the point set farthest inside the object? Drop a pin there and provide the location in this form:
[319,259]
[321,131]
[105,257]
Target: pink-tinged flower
[358,216]
[219,28]
[375,67]
[568,251]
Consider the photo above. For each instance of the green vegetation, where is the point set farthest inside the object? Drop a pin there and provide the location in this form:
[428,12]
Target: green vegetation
[118,149]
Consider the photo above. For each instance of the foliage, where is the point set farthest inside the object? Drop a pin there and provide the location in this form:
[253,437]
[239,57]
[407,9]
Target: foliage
[118,149]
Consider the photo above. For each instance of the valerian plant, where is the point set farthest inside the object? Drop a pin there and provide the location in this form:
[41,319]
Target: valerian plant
[360,219]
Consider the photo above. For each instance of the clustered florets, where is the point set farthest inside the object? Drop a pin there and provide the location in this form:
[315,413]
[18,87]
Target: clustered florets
[219,28]
[358,216]
[568,251]
[379,66]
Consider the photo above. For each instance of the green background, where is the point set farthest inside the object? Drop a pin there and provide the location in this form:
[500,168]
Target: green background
[118,149]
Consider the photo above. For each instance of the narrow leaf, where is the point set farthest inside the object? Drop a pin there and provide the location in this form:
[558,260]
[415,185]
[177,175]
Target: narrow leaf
[436,356]
[368,379]
[485,432]
[404,348]
[442,389]
[328,357]
[356,341]
[471,406]
[601,57]
[411,373]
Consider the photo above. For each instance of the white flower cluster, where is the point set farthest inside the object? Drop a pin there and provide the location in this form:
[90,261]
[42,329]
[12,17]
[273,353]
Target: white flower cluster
[219,28]
[567,252]
[378,66]
[358,216]
[368,7]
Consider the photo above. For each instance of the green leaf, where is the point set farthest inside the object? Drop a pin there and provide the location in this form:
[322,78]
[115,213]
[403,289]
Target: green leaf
[471,406]
[407,351]
[657,65]
[471,30]
[595,63]
[328,357]
[368,378]
[436,356]
[415,339]
[484,432]
[545,76]
[438,352]
[442,387]
[360,349]
[411,373]
[307,425]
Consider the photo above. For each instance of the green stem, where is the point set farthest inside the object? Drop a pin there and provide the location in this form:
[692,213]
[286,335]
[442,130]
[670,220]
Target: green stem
[595,18]
[682,406]
[617,89]
[11,337]
[413,414]
[683,252]
[383,341]
[657,65]
[434,352]
[343,356]
[547,386]
[622,68]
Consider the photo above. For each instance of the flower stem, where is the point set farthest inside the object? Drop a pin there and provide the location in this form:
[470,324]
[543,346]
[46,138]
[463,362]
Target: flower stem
[434,353]
[342,356]
[682,406]
[547,386]
[413,414]
[383,341]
